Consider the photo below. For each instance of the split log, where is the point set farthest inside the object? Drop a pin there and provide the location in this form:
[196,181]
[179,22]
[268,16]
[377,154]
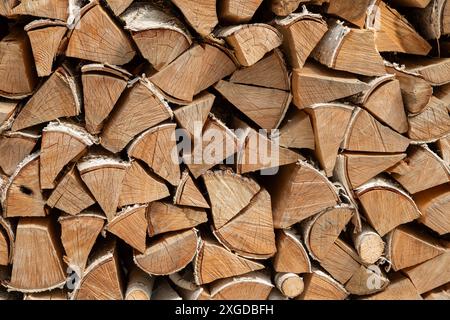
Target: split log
[58,97]
[186,286]
[169,253]
[164,217]
[443,146]
[147,147]
[8,109]
[118,6]
[400,288]
[291,256]
[38,265]
[102,88]
[296,130]
[321,286]
[434,70]
[45,38]
[7,238]
[78,236]
[411,3]
[163,291]
[57,294]
[251,286]
[301,33]
[238,11]
[441,293]
[160,37]
[15,147]
[58,10]
[289,284]
[432,18]
[315,83]
[96,37]
[367,280]
[188,194]
[368,244]
[251,42]
[385,205]
[434,204]
[140,285]
[141,107]
[285,7]
[6,7]
[351,50]
[317,193]
[103,176]
[201,15]
[352,11]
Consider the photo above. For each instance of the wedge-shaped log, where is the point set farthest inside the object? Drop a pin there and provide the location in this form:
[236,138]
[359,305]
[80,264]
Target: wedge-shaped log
[296,130]
[435,70]
[285,7]
[188,194]
[434,204]
[58,10]
[367,280]
[201,15]
[14,147]
[352,11]
[291,255]
[321,286]
[251,286]
[400,288]
[119,6]
[238,11]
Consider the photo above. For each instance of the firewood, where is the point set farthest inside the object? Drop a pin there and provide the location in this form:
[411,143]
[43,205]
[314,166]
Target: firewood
[188,194]
[367,134]
[44,9]
[367,280]
[434,205]
[434,70]
[38,265]
[315,83]
[78,235]
[352,11]
[321,286]
[214,262]
[102,87]
[385,205]
[291,255]
[102,279]
[8,108]
[169,253]
[391,30]
[140,186]
[317,194]
[431,124]
[330,122]
[22,196]
[421,170]
[146,148]
[290,284]
[251,286]
[71,195]
[103,176]
[62,142]
[431,19]
[443,146]
[56,294]
[165,217]
[140,285]
[400,288]
[443,93]
[118,6]
[14,147]
[130,225]
[58,97]
[251,42]
[161,38]
[7,237]
[296,130]
[201,15]
[265,106]
[285,7]
[411,3]
[351,50]
[238,11]
[186,286]
[441,293]
[16,65]
[368,244]
[141,107]
[163,291]
[6,7]
[322,230]
[406,247]
[96,37]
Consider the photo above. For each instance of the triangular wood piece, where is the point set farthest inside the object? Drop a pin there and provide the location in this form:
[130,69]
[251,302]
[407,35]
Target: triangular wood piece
[38,265]
[250,234]
[140,186]
[407,247]
[265,106]
[443,146]
[148,145]
[96,37]
[301,33]
[58,97]
[214,262]
[315,83]
[160,37]
[187,193]
[193,116]
[45,38]
[291,255]
[365,133]
[7,110]
[102,87]
[61,143]
[253,286]
[44,9]
[285,7]
[348,10]
[351,50]
[165,217]
[223,185]
[400,288]
[78,235]
[321,286]
[269,72]
[361,167]
[201,15]
[434,70]
[385,205]
[14,147]
[434,204]
[392,29]
[130,225]
[169,253]
[330,122]
[104,176]
[236,11]
[296,130]
[141,107]
[357,285]
[119,6]
[71,194]
[22,196]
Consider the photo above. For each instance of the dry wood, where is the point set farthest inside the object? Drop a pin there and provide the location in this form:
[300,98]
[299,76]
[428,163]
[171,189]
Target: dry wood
[42,8]
[289,284]
[434,204]
[291,256]
[352,11]
[432,18]
[321,286]
[285,7]
[8,108]
[201,15]
[14,147]
[400,288]
[238,11]
[367,280]
[140,285]
[443,146]
[435,70]
[251,286]
[368,244]
[441,293]
[118,6]
[296,130]
[57,294]
[188,194]
[7,237]
[186,286]
[411,3]
[163,291]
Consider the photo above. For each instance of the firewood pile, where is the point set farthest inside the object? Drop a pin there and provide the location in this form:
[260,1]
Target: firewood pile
[231,149]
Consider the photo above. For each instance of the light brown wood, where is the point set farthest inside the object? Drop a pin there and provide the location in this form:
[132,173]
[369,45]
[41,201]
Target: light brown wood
[441,293]
[321,286]
[14,147]
[434,205]
[163,291]
[7,237]
[118,6]
[285,7]
[430,17]
[291,255]
[289,284]
[367,280]
[352,11]
[201,15]
[434,70]
[251,286]
[400,288]
[368,244]
[8,108]
[43,8]
[238,11]
[443,146]
[188,194]
[56,294]
[411,3]
[140,285]
[296,130]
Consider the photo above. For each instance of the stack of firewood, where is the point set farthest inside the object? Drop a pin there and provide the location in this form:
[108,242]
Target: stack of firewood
[230,149]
